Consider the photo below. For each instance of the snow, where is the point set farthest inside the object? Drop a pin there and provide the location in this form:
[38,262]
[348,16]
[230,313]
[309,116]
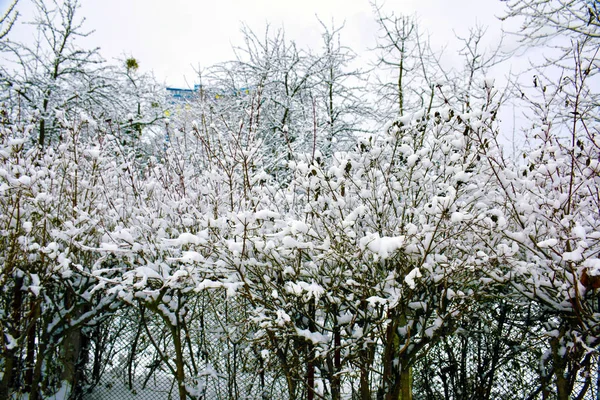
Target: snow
[309,290]
[35,286]
[412,275]
[291,243]
[185,238]
[25,180]
[579,232]
[189,257]
[111,247]
[489,82]
[282,318]
[384,247]
[412,160]
[314,337]
[576,255]
[27,226]
[266,214]
[11,343]
[548,243]
[148,273]
[93,152]
[593,264]
[298,227]
[460,217]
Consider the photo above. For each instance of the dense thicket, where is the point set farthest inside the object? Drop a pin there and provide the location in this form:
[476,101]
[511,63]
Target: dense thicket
[353,224]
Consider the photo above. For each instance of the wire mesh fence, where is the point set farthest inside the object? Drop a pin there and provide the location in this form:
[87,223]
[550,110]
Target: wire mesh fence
[131,356]
[439,377]
[502,355]
[137,355]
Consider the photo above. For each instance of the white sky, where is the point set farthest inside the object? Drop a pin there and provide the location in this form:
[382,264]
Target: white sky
[173,37]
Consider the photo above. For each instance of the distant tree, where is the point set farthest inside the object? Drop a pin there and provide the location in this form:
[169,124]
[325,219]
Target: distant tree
[138,110]
[279,74]
[55,75]
[406,69]
[568,34]
[542,20]
[8,19]
[339,106]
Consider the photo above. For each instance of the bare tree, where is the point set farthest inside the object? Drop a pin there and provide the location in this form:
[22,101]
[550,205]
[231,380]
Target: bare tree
[8,19]
[338,94]
[55,74]
[546,19]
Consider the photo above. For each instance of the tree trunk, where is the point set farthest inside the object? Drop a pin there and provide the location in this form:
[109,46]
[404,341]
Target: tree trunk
[31,345]
[9,367]
[401,385]
[42,133]
[562,384]
[310,367]
[397,372]
[70,347]
[176,332]
[37,371]
[310,376]
[30,357]
[11,360]
[406,384]
[367,356]
[388,362]
[336,388]
[70,354]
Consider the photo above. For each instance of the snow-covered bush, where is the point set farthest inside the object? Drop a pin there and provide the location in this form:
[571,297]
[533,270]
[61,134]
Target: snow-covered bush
[332,266]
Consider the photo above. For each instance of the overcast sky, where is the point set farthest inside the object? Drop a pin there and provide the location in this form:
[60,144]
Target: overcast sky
[173,37]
